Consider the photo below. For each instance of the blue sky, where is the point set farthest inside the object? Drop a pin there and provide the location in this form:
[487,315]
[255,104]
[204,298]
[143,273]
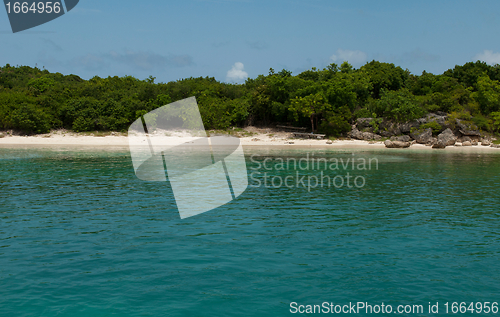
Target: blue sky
[231,39]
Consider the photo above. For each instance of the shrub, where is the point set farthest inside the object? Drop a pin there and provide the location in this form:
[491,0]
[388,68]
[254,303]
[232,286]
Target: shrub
[462,115]
[29,119]
[399,105]
[82,124]
[336,122]
[496,120]
[482,122]
[40,85]
[436,128]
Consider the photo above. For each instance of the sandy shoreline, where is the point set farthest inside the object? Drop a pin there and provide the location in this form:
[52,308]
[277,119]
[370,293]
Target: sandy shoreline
[279,140]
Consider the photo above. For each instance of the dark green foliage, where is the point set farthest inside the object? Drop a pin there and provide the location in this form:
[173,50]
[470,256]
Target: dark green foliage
[336,123]
[436,128]
[469,73]
[28,118]
[398,105]
[328,100]
[384,76]
[483,123]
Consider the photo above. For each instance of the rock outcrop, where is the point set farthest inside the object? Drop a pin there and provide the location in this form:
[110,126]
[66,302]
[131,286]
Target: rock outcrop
[367,136]
[467,130]
[447,137]
[406,127]
[440,144]
[396,144]
[362,123]
[458,132]
[431,141]
[388,128]
[401,138]
[422,137]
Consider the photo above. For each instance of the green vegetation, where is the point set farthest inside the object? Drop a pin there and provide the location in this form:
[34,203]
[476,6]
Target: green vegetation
[328,100]
[436,128]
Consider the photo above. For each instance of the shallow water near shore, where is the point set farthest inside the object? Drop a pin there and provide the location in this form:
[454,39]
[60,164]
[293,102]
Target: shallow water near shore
[80,235]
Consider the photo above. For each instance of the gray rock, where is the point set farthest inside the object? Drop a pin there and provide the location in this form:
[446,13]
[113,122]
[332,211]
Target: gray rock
[401,138]
[470,132]
[406,127]
[329,142]
[440,144]
[474,142]
[388,128]
[496,146]
[466,143]
[422,121]
[356,134]
[440,119]
[447,137]
[422,137]
[396,144]
[485,143]
[432,141]
[367,136]
[386,133]
[464,139]
[460,125]
[362,123]
[458,144]
[2,135]
[467,130]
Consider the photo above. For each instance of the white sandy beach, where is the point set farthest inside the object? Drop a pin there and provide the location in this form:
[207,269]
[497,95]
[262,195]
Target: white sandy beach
[258,138]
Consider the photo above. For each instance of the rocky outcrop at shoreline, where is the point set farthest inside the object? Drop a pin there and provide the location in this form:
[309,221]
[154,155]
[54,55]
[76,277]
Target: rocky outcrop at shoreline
[396,144]
[436,129]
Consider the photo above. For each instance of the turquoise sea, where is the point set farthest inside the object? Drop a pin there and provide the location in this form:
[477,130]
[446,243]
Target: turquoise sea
[80,235]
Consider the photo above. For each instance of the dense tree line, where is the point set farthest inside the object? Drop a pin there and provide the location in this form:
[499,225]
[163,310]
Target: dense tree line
[327,100]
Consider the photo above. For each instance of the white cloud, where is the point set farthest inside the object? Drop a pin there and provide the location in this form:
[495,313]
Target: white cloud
[489,57]
[258,45]
[237,73]
[356,58]
[149,61]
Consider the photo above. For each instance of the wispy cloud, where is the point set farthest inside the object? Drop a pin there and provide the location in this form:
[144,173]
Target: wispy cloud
[237,73]
[52,45]
[417,55]
[149,61]
[84,11]
[132,60]
[356,58]
[489,57]
[258,45]
[89,62]
[221,44]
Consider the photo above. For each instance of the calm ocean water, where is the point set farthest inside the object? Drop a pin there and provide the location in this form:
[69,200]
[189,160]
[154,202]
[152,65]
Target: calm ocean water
[80,235]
